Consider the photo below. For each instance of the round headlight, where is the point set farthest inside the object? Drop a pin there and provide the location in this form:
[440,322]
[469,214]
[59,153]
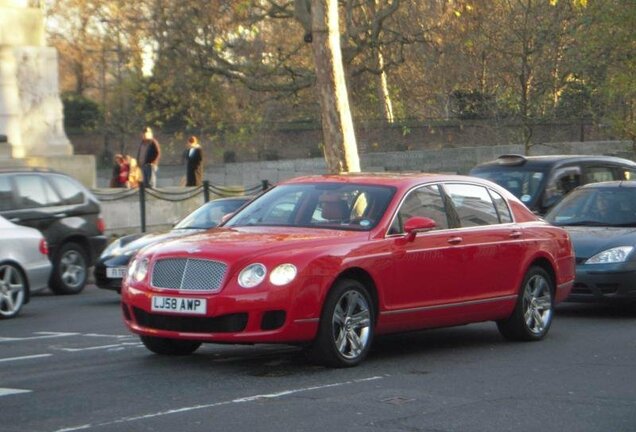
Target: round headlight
[609,256]
[141,269]
[283,274]
[252,275]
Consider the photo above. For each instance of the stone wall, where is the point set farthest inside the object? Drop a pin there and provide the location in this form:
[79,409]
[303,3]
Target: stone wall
[123,216]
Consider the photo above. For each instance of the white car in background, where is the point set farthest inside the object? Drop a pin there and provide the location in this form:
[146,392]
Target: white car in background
[24,266]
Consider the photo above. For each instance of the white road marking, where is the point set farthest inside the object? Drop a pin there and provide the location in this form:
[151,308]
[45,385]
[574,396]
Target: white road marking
[215,404]
[119,345]
[10,391]
[43,335]
[108,335]
[8,359]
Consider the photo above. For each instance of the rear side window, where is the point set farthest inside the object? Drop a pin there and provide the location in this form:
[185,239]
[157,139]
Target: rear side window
[6,195]
[600,174]
[70,191]
[473,204]
[34,192]
[501,206]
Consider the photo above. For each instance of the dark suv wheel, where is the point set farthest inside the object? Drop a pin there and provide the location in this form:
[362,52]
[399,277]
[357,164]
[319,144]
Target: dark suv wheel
[69,270]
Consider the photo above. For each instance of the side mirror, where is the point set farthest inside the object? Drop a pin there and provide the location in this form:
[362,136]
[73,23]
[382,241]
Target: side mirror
[416,224]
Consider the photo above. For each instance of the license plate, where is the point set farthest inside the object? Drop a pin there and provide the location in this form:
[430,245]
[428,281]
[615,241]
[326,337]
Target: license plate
[115,272]
[182,305]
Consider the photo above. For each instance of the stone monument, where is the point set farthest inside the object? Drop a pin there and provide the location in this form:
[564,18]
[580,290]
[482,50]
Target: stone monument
[31,114]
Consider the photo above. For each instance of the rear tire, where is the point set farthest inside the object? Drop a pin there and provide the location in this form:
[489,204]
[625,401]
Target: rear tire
[532,316]
[70,270]
[346,326]
[13,290]
[165,346]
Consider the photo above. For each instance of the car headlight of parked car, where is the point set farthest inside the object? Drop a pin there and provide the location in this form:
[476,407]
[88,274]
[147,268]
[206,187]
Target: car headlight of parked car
[252,275]
[610,256]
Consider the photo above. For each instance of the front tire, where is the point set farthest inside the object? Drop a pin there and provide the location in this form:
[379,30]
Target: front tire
[346,326]
[532,316]
[13,290]
[165,346]
[70,270]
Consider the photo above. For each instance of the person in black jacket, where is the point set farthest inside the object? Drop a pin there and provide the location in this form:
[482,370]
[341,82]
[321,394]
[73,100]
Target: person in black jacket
[148,157]
[193,157]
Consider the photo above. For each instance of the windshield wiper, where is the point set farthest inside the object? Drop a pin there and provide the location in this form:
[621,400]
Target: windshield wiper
[584,223]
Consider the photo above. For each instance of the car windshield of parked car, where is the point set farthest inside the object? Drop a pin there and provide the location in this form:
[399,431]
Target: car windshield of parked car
[318,205]
[209,215]
[596,207]
[523,182]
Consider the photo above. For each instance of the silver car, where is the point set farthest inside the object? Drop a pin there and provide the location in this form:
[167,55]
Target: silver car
[24,266]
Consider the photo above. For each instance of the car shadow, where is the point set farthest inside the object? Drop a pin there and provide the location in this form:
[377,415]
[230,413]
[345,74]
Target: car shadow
[272,361]
[595,311]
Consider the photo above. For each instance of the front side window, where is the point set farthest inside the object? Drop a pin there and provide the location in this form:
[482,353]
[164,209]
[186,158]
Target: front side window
[321,205]
[34,192]
[472,204]
[425,201]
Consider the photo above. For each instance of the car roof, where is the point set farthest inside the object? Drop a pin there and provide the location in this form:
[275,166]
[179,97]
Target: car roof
[512,160]
[396,179]
[610,185]
[28,170]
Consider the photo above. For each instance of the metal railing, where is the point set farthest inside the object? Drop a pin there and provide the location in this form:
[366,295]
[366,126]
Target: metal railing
[176,196]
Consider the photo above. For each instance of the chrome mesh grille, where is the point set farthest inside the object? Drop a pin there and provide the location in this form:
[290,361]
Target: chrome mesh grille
[188,274]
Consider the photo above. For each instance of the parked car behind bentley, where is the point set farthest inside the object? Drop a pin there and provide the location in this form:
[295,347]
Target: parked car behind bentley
[24,266]
[601,220]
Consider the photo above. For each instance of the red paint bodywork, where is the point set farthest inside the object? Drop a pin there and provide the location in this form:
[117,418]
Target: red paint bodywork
[424,283]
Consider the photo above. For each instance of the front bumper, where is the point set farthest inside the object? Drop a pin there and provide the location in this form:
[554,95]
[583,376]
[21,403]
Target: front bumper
[100,271]
[233,316]
[604,283]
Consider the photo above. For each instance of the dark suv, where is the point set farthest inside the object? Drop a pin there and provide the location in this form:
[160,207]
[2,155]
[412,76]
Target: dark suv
[66,213]
[541,181]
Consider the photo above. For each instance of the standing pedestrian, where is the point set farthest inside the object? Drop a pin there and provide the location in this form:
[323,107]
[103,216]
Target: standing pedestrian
[193,156]
[148,157]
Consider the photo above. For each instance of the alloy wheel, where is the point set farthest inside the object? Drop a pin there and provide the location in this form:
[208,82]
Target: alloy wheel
[351,324]
[537,304]
[12,290]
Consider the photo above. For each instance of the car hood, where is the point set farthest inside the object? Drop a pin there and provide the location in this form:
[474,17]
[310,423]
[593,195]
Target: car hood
[233,244]
[588,241]
[135,244]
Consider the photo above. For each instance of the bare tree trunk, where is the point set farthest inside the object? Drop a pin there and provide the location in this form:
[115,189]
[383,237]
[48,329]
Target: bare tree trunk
[341,151]
[387,104]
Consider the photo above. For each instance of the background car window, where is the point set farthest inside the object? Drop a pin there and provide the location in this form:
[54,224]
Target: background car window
[473,204]
[6,195]
[501,206]
[600,174]
[523,183]
[70,192]
[425,201]
[628,174]
[33,192]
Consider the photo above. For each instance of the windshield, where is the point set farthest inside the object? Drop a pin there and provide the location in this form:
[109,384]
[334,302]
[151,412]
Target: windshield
[320,205]
[596,207]
[210,214]
[524,183]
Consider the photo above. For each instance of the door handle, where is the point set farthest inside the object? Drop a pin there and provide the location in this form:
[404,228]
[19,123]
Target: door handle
[515,234]
[60,215]
[455,240]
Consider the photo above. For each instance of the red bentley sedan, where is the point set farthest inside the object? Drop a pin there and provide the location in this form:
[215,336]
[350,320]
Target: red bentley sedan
[328,262]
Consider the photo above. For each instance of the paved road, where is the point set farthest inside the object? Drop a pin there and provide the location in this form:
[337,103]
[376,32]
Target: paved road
[68,364]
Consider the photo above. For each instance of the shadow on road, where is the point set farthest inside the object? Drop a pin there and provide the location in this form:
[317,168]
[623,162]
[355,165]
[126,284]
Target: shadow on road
[595,311]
